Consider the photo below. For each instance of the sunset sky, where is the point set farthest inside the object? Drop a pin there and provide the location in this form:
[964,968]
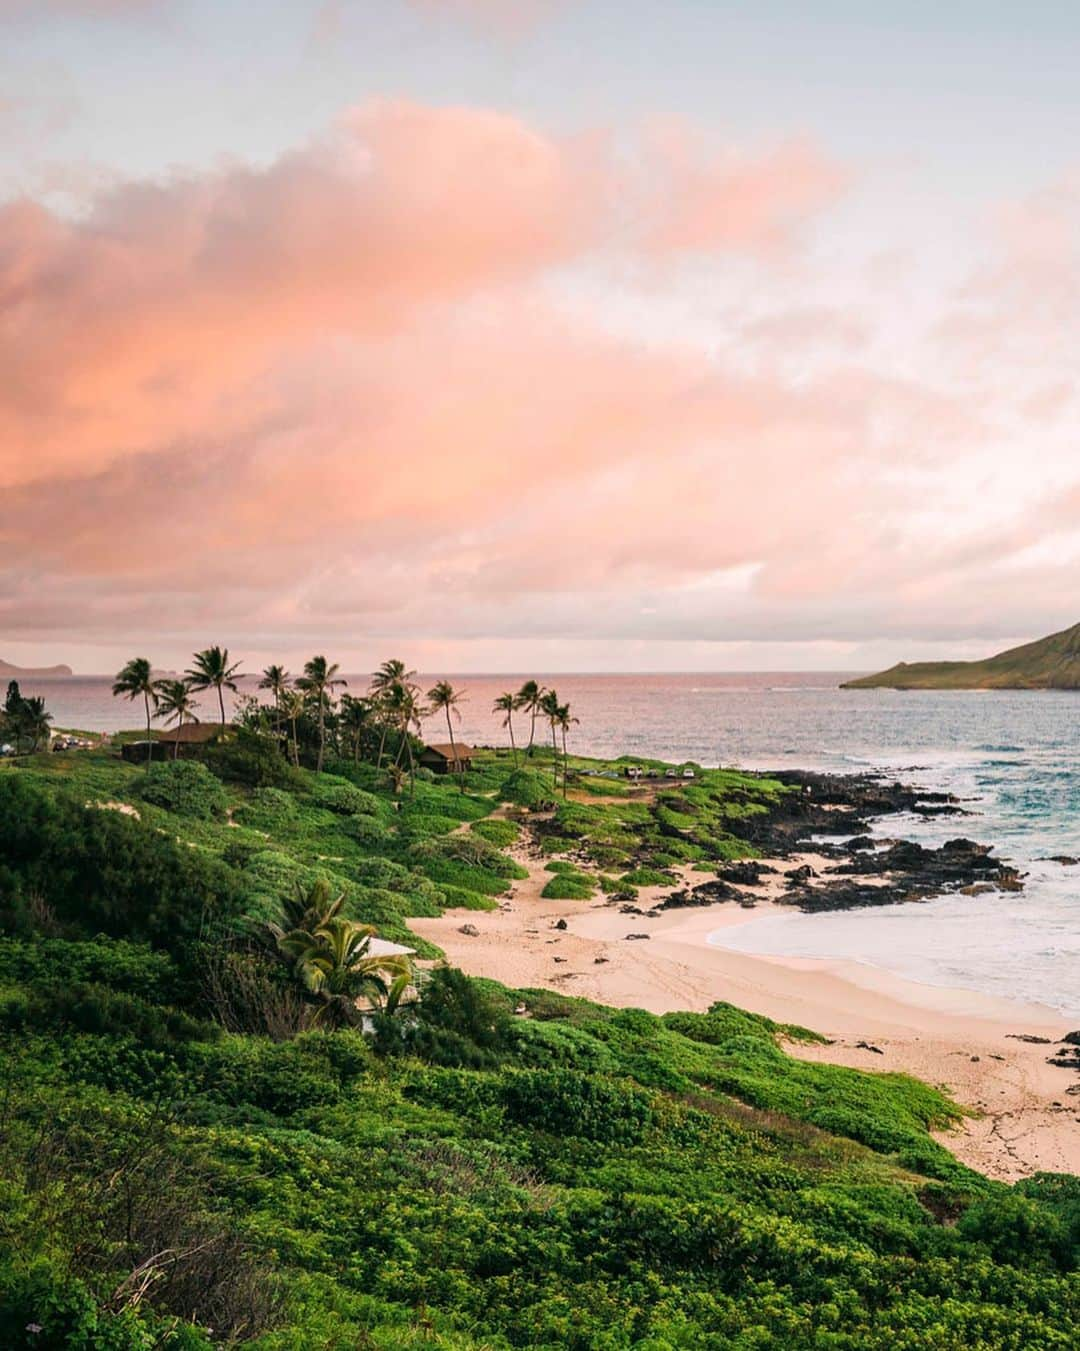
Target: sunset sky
[538,334]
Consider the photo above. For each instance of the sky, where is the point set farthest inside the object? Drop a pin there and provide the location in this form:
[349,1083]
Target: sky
[553,335]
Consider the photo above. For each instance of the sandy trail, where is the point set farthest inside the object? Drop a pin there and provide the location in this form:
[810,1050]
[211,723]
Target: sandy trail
[1025,1118]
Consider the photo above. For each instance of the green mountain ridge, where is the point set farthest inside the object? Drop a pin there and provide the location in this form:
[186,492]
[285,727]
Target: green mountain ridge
[1051,663]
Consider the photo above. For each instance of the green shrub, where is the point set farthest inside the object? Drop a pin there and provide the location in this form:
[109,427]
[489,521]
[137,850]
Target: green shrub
[647,877]
[253,760]
[185,787]
[498,832]
[568,887]
[272,805]
[528,788]
[343,798]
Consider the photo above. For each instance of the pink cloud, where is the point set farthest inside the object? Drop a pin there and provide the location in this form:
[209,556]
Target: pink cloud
[337,393]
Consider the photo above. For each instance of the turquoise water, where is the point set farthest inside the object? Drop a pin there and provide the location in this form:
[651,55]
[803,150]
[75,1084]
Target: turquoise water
[1013,757]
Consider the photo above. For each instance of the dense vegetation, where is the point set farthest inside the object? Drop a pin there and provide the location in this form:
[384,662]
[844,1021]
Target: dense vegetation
[187,1161]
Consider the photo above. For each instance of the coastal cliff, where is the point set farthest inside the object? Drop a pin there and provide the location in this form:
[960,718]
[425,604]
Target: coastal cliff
[10,672]
[1051,663]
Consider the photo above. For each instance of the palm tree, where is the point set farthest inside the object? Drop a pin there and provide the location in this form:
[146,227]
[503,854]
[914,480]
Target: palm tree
[331,957]
[389,674]
[355,716]
[175,704]
[134,679]
[528,700]
[565,719]
[442,697]
[292,706]
[319,680]
[407,712]
[211,670]
[276,680]
[506,703]
[549,706]
[35,721]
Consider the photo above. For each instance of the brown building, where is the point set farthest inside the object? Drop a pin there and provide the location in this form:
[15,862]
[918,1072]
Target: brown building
[190,740]
[447,759]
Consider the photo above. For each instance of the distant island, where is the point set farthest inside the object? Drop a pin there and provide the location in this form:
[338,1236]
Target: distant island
[1049,664]
[10,672]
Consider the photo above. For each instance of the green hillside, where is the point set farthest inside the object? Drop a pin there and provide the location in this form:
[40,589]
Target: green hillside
[1050,664]
[188,1162]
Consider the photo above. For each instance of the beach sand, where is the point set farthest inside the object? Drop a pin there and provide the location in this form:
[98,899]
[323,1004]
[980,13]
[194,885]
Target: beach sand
[1023,1118]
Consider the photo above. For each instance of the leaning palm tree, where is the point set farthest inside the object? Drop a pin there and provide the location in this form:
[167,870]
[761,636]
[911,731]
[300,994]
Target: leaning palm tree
[136,679]
[528,700]
[276,680]
[443,698]
[211,670]
[565,720]
[549,707]
[319,681]
[506,703]
[175,704]
[292,707]
[407,713]
[389,674]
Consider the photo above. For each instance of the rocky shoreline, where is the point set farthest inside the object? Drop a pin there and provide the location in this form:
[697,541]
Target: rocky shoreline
[863,870]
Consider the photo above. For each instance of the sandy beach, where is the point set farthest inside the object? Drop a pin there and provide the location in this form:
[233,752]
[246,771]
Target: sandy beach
[1023,1117]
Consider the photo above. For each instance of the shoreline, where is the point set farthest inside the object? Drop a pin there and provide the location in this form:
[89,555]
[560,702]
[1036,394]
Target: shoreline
[1022,1120]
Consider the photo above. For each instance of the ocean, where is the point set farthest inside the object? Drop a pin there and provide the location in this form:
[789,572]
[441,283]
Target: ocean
[1013,757]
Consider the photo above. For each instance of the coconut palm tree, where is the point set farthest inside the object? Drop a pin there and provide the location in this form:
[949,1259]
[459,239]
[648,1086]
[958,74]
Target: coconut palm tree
[211,670]
[292,707]
[135,679]
[276,680]
[443,698]
[407,713]
[175,704]
[528,700]
[565,720]
[389,674]
[331,957]
[319,681]
[506,703]
[356,715]
[34,720]
[549,707]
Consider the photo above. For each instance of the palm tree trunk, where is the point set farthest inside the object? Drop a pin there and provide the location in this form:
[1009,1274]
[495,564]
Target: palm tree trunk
[554,757]
[382,746]
[510,728]
[565,760]
[176,740]
[412,766]
[532,735]
[453,748]
[221,703]
[322,733]
[149,745]
[295,746]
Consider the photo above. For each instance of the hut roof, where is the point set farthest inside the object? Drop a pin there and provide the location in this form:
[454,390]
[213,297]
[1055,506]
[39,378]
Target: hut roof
[448,752]
[193,733]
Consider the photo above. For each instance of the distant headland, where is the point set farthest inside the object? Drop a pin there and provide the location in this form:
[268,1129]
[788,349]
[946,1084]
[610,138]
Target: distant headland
[1049,664]
[10,672]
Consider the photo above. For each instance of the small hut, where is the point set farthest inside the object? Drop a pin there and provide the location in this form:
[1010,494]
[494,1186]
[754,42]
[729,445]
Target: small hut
[190,740]
[447,759]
